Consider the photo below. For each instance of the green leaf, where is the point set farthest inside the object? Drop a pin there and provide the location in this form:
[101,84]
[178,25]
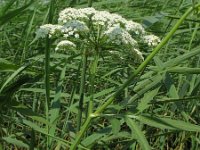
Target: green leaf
[92,139]
[22,109]
[180,59]
[154,82]
[104,92]
[34,126]
[15,142]
[1,147]
[44,131]
[7,6]
[95,136]
[115,125]
[169,83]
[167,123]
[6,66]
[138,134]
[150,20]
[9,90]
[184,70]
[5,18]
[119,135]
[12,76]
[55,106]
[145,101]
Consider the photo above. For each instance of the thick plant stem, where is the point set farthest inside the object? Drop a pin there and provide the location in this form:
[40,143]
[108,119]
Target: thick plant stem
[47,83]
[82,87]
[47,71]
[139,69]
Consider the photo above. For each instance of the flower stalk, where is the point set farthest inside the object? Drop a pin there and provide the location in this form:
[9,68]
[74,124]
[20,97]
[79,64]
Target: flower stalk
[93,71]
[47,71]
[82,87]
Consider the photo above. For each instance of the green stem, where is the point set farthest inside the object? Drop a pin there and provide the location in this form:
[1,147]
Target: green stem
[47,71]
[81,133]
[82,87]
[139,69]
[89,3]
[47,83]
[92,81]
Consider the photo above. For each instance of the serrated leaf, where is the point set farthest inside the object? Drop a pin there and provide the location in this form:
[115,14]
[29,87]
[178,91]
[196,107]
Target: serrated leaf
[150,20]
[138,134]
[167,123]
[178,60]
[16,142]
[145,101]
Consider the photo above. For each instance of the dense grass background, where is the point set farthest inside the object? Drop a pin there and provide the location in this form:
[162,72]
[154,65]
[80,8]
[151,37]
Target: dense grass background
[40,88]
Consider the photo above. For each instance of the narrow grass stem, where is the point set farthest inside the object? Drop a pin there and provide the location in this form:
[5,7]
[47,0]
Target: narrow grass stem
[139,69]
[82,87]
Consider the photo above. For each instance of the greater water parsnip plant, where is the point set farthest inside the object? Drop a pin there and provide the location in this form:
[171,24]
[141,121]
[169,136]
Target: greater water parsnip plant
[89,31]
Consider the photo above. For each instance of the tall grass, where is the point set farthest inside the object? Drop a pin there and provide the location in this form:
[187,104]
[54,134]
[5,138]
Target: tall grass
[67,100]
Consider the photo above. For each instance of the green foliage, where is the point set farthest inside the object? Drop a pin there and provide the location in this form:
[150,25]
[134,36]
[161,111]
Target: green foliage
[40,89]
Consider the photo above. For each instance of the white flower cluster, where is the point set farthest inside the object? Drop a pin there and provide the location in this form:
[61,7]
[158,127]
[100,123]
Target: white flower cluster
[49,29]
[136,53]
[65,44]
[151,40]
[134,27]
[119,36]
[75,23]
[69,14]
[73,28]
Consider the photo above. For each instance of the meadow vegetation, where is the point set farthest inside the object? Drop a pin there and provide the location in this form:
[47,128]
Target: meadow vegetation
[71,79]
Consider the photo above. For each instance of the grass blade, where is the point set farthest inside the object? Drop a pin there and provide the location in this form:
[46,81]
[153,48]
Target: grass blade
[5,18]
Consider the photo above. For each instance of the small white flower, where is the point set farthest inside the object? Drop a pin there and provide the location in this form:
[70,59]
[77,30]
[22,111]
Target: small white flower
[76,35]
[151,40]
[71,33]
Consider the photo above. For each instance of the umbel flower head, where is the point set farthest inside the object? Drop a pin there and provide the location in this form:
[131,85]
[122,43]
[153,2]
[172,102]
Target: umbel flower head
[96,28]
